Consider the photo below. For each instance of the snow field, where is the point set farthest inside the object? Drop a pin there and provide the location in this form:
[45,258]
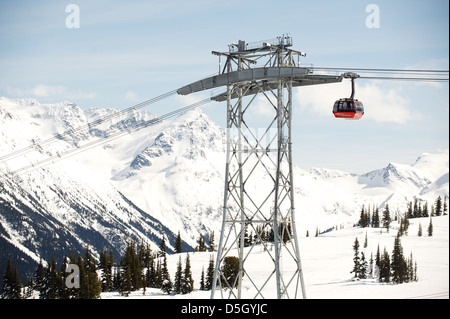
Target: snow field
[328,259]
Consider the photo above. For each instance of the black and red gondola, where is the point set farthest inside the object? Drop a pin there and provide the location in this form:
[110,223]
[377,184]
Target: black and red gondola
[349,108]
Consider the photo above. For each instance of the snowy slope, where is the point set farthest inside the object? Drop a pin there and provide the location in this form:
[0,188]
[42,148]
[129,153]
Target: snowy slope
[328,259]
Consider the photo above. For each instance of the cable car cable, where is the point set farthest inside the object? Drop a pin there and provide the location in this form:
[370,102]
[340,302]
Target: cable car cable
[404,78]
[382,70]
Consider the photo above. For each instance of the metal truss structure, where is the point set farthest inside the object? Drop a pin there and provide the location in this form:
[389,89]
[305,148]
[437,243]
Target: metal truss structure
[258,228]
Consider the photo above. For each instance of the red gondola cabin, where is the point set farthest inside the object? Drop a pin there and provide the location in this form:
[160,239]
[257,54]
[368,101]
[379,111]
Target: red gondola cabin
[348,109]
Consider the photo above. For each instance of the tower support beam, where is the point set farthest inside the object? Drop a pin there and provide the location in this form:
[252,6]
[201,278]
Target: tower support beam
[258,254]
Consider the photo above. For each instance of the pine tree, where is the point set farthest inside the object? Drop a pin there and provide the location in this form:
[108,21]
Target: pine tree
[39,276]
[398,263]
[210,274]
[230,271]
[438,207]
[385,267]
[201,244]
[151,272]
[52,281]
[166,283]
[178,244]
[158,274]
[410,212]
[363,267]
[370,270]
[365,241]
[363,218]
[386,217]
[212,245]
[178,278]
[356,259]
[29,288]
[187,283]
[445,209]
[11,283]
[105,265]
[162,247]
[425,210]
[419,232]
[92,285]
[430,228]
[202,280]
[375,218]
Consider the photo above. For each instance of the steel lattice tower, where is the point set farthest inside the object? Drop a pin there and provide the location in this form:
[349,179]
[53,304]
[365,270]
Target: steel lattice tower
[258,213]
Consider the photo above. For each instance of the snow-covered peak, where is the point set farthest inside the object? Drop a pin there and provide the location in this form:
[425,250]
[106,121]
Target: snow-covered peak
[434,165]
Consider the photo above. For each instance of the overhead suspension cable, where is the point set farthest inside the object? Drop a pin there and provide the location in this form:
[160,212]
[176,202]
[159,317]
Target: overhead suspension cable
[394,74]
[404,78]
[72,131]
[53,158]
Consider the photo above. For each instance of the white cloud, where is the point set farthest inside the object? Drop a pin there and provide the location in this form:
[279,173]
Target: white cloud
[261,107]
[131,96]
[380,105]
[49,91]
[42,90]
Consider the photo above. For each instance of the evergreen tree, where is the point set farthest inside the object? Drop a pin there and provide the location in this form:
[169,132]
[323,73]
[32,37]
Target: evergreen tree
[385,267]
[363,267]
[425,210]
[212,245]
[51,282]
[419,232]
[386,217]
[178,278]
[64,292]
[430,228]
[410,212]
[178,244]
[230,271]
[162,247]
[187,283]
[201,244]
[29,288]
[376,218]
[365,241]
[370,270]
[438,207]
[12,286]
[210,274]
[90,285]
[363,218]
[398,263]
[416,209]
[39,276]
[445,209]
[166,283]
[151,272]
[158,274]
[202,280]
[105,265]
[404,225]
[356,259]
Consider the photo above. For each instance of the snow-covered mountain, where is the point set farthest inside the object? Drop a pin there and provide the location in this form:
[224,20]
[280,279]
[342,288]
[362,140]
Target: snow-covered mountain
[163,179]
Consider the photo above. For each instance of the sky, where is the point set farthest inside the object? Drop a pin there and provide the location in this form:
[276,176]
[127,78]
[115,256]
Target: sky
[119,53]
